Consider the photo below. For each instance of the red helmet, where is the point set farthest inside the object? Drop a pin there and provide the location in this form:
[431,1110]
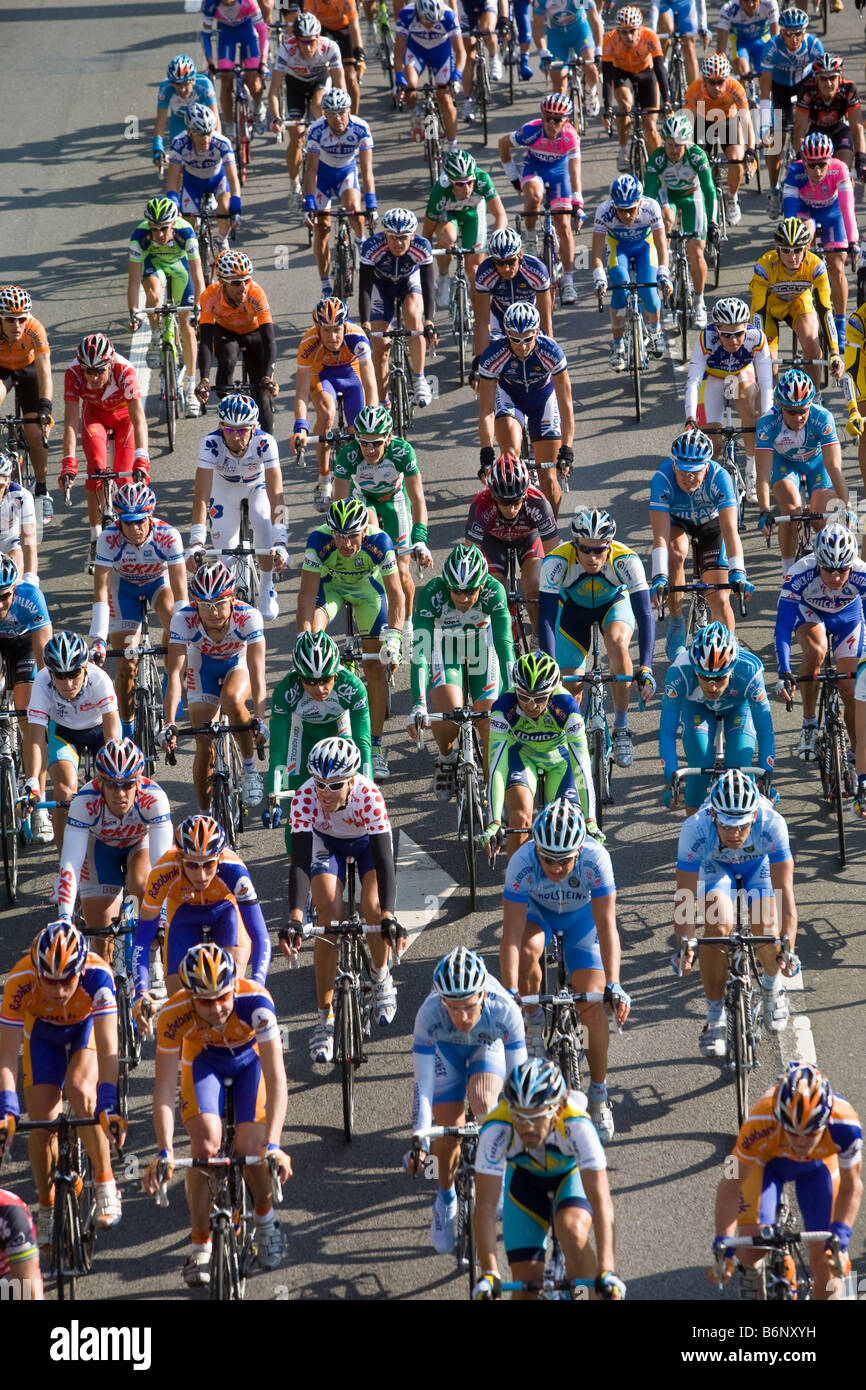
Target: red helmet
[509,478]
[95,350]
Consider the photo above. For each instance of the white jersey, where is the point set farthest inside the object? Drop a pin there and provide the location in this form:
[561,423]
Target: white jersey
[149,819]
[423,39]
[139,564]
[17,515]
[648,220]
[249,467]
[339,150]
[365,812]
[748,27]
[572,1137]
[201,164]
[700,849]
[96,698]
[307,67]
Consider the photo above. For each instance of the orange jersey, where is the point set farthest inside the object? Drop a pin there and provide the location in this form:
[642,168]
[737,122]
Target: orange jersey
[354,349]
[762,1138]
[731,96]
[333,14]
[635,59]
[252,313]
[33,343]
[253,1020]
[25,1000]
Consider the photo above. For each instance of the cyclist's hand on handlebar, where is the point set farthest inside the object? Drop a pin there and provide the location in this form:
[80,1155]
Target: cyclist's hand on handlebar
[168,738]
[291,940]
[277,1161]
[159,1172]
[417,720]
[564,460]
[415,1158]
[618,1001]
[269,386]
[739,583]
[143,1011]
[421,554]
[609,1286]
[489,838]
[486,460]
[488,1288]
[114,1126]
[202,391]
[394,933]
[134,323]
[430,332]
[646,683]
[766,522]
[659,586]
[674,795]
[391,650]
[854,427]
[721,1272]
[785,686]
[97,652]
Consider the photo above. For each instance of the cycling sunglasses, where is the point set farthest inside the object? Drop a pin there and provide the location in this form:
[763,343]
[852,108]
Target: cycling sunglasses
[330,786]
[592,549]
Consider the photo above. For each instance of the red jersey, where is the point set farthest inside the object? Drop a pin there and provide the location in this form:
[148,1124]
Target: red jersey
[535,518]
[121,387]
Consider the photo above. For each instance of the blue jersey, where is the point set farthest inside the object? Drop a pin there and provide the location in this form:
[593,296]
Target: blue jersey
[797,446]
[592,877]
[684,700]
[632,236]
[715,492]
[392,270]
[789,69]
[27,613]
[499,363]
[339,150]
[426,41]
[177,106]
[531,279]
[806,598]
[204,165]
[748,28]
[701,851]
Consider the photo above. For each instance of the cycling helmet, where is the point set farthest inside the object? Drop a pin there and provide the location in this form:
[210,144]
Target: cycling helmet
[828,65]
[629,18]
[460,974]
[331,312]
[347,516]
[134,502]
[559,829]
[207,970]
[734,798]
[508,479]
[316,656]
[233,265]
[161,212]
[336,100]
[211,583]
[9,573]
[181,68]
[692,450]
[95,350]
[400,222]
[59,951]
[238,410]
[14,300]
[794,388]
[521,317]
[373,422]
[200,837]
[459,164]
[716,65]
[535,674]
[678,128]
[714,651]
[120,760]
[816,145]
[792,234]
[835,547]
[730,312]
[793,19]
[199,119]
[431,11]
[536,1084]
[8,465]
[593,524]
[557,104]
[65,654]
[626,191]
[803,1099]
[465,569]
[504,243]
[306,26]
[334,758]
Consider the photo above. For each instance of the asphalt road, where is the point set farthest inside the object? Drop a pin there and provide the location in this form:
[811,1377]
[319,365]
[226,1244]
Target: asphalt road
[75,174]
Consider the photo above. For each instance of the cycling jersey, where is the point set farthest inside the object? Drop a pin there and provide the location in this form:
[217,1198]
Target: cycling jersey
[304,66]
[298,721]
[17,1240]
[798,451]
[527,883]
[251,314]
[684,702]
[530,280]
[564,582]
[554,742]
[382,481]
[236,23]
[824,114]
[535,519]
[17,516]
[711,358]
[139,565]
[572,1142]
[89,819]
[855,356]
[324,363]
[789,69]
[338,149]
[96,698]
[779,293]
[714,108]
[762,1138]
[205,167]
[684,182]
[230,650]
[33,343]
[25,999]
[350,575]
[427,42]
[394,270]
[169,100]
[365,812]
[247,468]
[182,245]
[180,1030]
[545,361]
[631,237]
[28,613]
[334,14]
[384,278]
[701,851]
[114,396]
[830,201]
[713,494]
[805,597]
[552,153]
[445,637]
[747,28]
[469,214]
[637,58]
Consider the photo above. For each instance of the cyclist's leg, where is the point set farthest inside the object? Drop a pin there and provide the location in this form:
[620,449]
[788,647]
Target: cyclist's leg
[699,729]
[617,627]
[233,702]
[184,930]
[532,185]
[525,1225]
[545,432]
[811,636]
[371,616]
[63,772]
[529,555]
[101,889]
[537,932]
[572,1222]
[508,423]
[804,324]
[845,630]
[262,528]
[124,626]
[447,695]
[371,909]
[94,442]
[327,877]
[445,100]
[43,1068]
[817,1186]
[80,1090]
[201,1105]
[521,778]
[413,318]
[786,496]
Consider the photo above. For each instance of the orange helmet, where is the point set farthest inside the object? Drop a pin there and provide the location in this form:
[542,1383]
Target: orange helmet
[207,970]
[59,951]
[200,837]
[803,1099]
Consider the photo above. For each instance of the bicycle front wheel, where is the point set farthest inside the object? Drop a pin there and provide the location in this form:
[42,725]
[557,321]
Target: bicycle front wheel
[742,1054]
[837,791]
[467,826]
[460,321]
[466,1253]
[221,809]
[242,144]
[342,287]
[636,355]
[143,731]
[65,1243]
[402,407]
[9,828]
[597,762]
[224,1273]
[568,1061]
[346,1049]
[682,300]
[169,378]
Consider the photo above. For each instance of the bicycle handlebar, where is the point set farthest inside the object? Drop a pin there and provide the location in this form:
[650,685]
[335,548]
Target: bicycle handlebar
[567,996]
[221,1161]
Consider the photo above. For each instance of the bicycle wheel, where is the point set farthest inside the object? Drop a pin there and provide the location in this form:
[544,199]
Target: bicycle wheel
[64,1243]
[825,8]
[465,1247]
[242,138]
[402,405]
[636,353]
[460,320]
[346,1051]
[567,1058]
[481,94]
[742,1054]
[169,386]
[638,160]
[86,1208]
[125,1026]
[224,1274]
[467,827]
[342,289]
[220,807]
[723,232]
[143,730]
[596,762]
[682,302]
[837,789]
[9,830]
[577,100]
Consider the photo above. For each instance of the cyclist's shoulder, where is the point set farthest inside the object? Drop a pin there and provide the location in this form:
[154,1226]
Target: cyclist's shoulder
[493,596]
[378,546]
[321,543]
[748,665]
[499,1115]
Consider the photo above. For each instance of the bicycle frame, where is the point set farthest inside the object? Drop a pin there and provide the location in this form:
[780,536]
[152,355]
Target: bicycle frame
[74,1232]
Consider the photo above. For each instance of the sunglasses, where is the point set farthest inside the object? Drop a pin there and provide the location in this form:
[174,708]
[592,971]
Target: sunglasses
[727,333]
[15,318]
[507,260]
[235,429]
[522,337]
[592,549]
[330,786]
[552,120]
[203,863]
[244,280]
[461,183]
[816,163]
[372,443]
[554,859]
[628,33]
[324,680]
[118,786]
[714,81]
[95,371]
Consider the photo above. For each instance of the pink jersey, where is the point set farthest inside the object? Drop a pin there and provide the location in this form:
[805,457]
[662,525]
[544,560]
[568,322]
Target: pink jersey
[543,148]
[365,813]
[233,15]
[121,387]
[834,187]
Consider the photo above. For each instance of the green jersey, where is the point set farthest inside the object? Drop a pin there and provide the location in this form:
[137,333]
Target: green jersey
[182,245]
[553,746]
[445,638]
[469,214]
[298,721]
[377,482]
[690,177]
[351,576]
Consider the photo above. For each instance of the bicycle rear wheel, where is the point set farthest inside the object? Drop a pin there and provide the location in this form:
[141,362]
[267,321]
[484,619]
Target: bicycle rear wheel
[346,1051]
[65,1243]
[742,1055]
[837,790]
[402,405]
[342,286]
[465,1249]
[597,764]
[467,826]
[143,730]
[482,95]
[636,354]
[169,384]
[682,300]
[242,138]
[9,830]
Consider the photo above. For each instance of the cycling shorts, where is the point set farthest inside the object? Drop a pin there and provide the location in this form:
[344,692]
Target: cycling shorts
[330,855]
[685,15]
[816,1183]
[67,745]
[333,183]
[202,1085]
[48,1050]
[711,553]
[194,190]
[496,551]
[96,426]
[17,652]
[124,601]
[712,392]
[28,387]
[224,513]
[484,674]
[102,873]
[845,628]
[811,471]
[717,876]
[539,411]
[205,676]
[384,296]
[228,39]
[576,37]
[184,930]
[699,732]
[439,60]
[530,1198]
[574,629]
[784,102]
[369,609]
[693,213]
[453,1066]
[523,772]
[395,519]
[636,263]
[299,93]
[754,50]
[646,88]
[343,40]
[340,378]
[555,177]
[176,274]
[580,941]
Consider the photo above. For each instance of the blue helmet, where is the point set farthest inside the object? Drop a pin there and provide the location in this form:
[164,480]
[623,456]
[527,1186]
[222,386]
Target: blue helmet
[714,651]
[521,317]
[559,829]
[533,1085]
[331,758]
[793,19]
[794,388]
[692,450]
[626,191]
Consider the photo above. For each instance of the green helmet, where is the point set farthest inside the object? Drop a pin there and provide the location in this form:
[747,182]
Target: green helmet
[465,568]
[316,656]
[373,422]
[459,164]
[348,515]
[161,212]
[536,674]
[678,128]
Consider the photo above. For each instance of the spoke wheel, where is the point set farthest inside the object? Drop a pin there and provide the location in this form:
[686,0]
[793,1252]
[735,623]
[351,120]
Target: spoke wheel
[467,826]
[465,1247]
[64,1243]
[9,828]
[742,1055]
[683,311]
[460,324]
[596,760]
[346,1050]
[837,791]
[224,1275]
[568,1061]
[636,354]
[169,380]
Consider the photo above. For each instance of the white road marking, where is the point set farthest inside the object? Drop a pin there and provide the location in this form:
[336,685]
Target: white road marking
[137,350]
[422,887]
[797,1043]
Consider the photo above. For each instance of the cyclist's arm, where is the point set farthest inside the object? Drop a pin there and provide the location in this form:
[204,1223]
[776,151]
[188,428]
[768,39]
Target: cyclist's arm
[427,290]
[302,391]
[503,642]
[669,723]
[763,360]
[139,425]
[365,168]
[786,620]
[782,879]
[801,125]
[269,343]
[577,752]
[496,212]
[759,705]
[417,501]
[728,517]
[513,928]
[487,1190]
[111,724]
[231,173]
[486,407]
[661,76]
[201,496]
[133,286]
[685,900]
[368,381]
[396,599]
[28,547]
[424,1071]
[73,852]
[821,287]
[596,27]
[574,175]
[542,304]
[607,83]
[458,50]
[278,748]
[38,752]
[299,872]
[646,626]
[177,583]
[307,594]
[310,171]
[697,363]
[160,125]
[562,387]
[833,464]
[399,51]
[146,929]
[10,1045]
[599,241]
[71,426]
[548,606]
[763,469]
[660,238]
[276,500]
[382,851]
[276,1087]
[359,718]
[597,1188]
[105,1038]
[174,666]
[846,1203]
[422,647]
[499,742]
[258,687]
[205,350]
[165,1086]
[365,291]
[44,383]
[722,31]
[604,917]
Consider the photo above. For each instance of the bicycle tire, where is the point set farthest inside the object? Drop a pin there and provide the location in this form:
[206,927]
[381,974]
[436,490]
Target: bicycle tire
[402,406]
[143,731]
[579,105]
[567,1058]
[237,806]
[636,346]
[723,232]
[65,1244]
[825,16]
[346,1049]
[742,1058]
[467,829]
[125,1047]
[9,829]
[596,761]
[638,160]
[342,288]
[86,1208]
[481,97]
[467,1255]
[221,808]
[220,1290]
[837,789]
[242,147]
[511,63]
[683,311]
[460,321]
[169,386]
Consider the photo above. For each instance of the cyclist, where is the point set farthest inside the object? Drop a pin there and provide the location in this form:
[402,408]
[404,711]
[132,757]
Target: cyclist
[72,707]
[736,834]
[311,65]
[784,285]
[236,321]
[183,87]
[25,363]
[25,629]
[678,178]
[539,1139]
[334,357]
[572,26]
[788,60]
[818,188]
[633,69]
[854,382]
[397,264]
[537,734]
[511,515]
[384,470]
[799,1132]
[750,25]
[562,881]
[713,681]
[692,500]
[19,1251]
[509,274]
[237,22]
[348,564]
[829,104]
[102,397]
[163,249]
[240,461]
[480,16]
[17,520]
[137,557]
[117,827]
[687,18]
[428,36]
[822,600]
[461,621]
[796,443]
[732,347]
[60,1002]
[551,161]
[523,383]
[340,22]
[205,893]
[218,1026]
[720,109]
[202,162]
[461,201]
[337,814]
[594,578]
[339,165]
[220,642]
[468,1036]
[632,229]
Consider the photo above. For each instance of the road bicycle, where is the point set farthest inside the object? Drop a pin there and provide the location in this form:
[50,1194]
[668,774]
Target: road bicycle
[227,803]
[549,248]
[345,258]
[636,337]
[170,362]
[400,372]
[240,559]
[482,92]
[464,1185]
[13,440]
[147,693]
[460,307]
[509,48]
[244,117]
[384,31]
[521,627]
[638,154]
[598,736]
[74,1229]
[731,436]
[805,537]
[469,786]
[431,129]
[784,1275]
[682,300]
[718,163]
[833,748]
[209,238]
[699,612]
[120,932]
[11,770]
[575,86]
[676,65]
